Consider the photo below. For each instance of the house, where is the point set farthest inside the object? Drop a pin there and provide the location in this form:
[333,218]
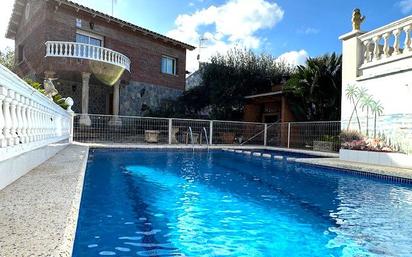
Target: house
[107,65]
[268,107]
[195,78]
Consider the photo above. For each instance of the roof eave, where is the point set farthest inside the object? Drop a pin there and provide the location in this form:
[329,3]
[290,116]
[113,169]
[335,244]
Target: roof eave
[11,34]
[155,35]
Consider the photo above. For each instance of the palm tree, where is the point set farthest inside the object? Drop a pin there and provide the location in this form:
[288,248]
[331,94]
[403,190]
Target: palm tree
[351,94]
[355,94]
[314,90]
[377,110]
[367,102]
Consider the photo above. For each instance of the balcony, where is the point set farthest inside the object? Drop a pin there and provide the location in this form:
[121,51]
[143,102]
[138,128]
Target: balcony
[387,49]
[86,51]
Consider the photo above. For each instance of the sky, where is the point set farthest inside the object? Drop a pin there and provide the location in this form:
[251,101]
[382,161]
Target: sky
[291,30]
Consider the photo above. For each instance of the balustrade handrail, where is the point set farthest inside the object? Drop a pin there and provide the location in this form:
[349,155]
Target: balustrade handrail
[86,51]
[378,47]
[399,24]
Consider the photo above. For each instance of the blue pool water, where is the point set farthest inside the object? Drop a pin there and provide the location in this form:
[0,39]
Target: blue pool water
[179,203]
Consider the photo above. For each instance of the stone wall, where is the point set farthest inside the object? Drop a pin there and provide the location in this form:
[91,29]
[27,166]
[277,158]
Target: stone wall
[99,96]
[137,96]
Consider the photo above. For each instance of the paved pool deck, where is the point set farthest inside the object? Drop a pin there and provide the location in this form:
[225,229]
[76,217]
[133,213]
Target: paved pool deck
[39,211]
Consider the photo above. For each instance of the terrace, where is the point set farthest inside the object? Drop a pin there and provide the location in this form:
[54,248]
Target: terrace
[167,184]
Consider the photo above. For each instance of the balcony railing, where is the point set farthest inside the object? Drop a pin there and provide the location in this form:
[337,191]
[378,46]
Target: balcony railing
[86,51]
[389,43]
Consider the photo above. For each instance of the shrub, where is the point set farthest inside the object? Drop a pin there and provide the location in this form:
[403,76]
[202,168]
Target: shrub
[350,135]
[353,140]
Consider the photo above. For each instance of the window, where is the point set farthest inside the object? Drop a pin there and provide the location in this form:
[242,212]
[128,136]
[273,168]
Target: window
[89,39]
[168,65]
[20,53]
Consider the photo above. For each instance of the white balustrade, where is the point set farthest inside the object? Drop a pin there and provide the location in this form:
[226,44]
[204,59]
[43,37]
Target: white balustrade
[28,119]
[384,44]
[86,51]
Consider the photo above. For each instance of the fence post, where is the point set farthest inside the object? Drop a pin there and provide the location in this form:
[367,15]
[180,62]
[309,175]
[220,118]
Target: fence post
[265,135]
[211,132]
[170,131]
[288,134]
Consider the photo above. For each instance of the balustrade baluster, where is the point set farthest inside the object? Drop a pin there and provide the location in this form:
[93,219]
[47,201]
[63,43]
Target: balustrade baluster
[19,126]
[3,93]
[407,43]
[396,33]
[24,106]
[13,130]
[367,54]
[7,118]
[376,50]
[36,118]
[386,48]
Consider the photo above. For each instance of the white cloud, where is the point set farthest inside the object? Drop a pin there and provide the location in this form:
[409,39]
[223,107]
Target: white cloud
[5,13]
[406,6]
[234,23]
[294,57]
[308,31]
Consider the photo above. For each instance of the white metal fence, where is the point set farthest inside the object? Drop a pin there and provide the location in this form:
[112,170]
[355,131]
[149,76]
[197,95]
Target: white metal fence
[320,136]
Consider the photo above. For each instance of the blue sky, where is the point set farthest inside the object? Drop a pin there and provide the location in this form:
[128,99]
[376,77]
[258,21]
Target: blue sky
[292,29]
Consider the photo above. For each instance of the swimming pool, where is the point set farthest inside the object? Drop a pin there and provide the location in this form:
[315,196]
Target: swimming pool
[180,203]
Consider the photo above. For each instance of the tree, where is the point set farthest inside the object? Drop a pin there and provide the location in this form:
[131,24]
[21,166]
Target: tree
[314,90]
[226,80]
[377,110]
[7,58]
[367,102]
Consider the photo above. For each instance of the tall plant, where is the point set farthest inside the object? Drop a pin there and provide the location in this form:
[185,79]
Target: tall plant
[367,103]
[355,95]
[377,110]
[314,90]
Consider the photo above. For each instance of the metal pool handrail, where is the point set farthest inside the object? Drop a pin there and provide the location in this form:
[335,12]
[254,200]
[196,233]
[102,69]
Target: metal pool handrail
[207,139]
[191,138]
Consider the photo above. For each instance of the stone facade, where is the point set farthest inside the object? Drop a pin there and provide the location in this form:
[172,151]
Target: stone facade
[136,96]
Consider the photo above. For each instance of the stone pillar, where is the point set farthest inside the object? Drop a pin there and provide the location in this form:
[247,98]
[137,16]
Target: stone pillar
[85,119]
[115,120]
[352,58]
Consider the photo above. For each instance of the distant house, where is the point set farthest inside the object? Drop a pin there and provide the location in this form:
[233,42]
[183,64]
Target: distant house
[195,78]
[268,107]
[107,65]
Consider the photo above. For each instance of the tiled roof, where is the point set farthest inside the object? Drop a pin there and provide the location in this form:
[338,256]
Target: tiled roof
[19,8]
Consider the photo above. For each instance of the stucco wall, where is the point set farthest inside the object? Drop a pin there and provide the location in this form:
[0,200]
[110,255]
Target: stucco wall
[392,87]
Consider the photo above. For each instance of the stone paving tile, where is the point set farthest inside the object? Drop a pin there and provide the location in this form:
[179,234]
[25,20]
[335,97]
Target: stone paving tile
[38,212]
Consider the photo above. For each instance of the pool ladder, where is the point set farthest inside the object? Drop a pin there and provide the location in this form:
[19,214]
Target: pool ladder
[207,139]
[191,138]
